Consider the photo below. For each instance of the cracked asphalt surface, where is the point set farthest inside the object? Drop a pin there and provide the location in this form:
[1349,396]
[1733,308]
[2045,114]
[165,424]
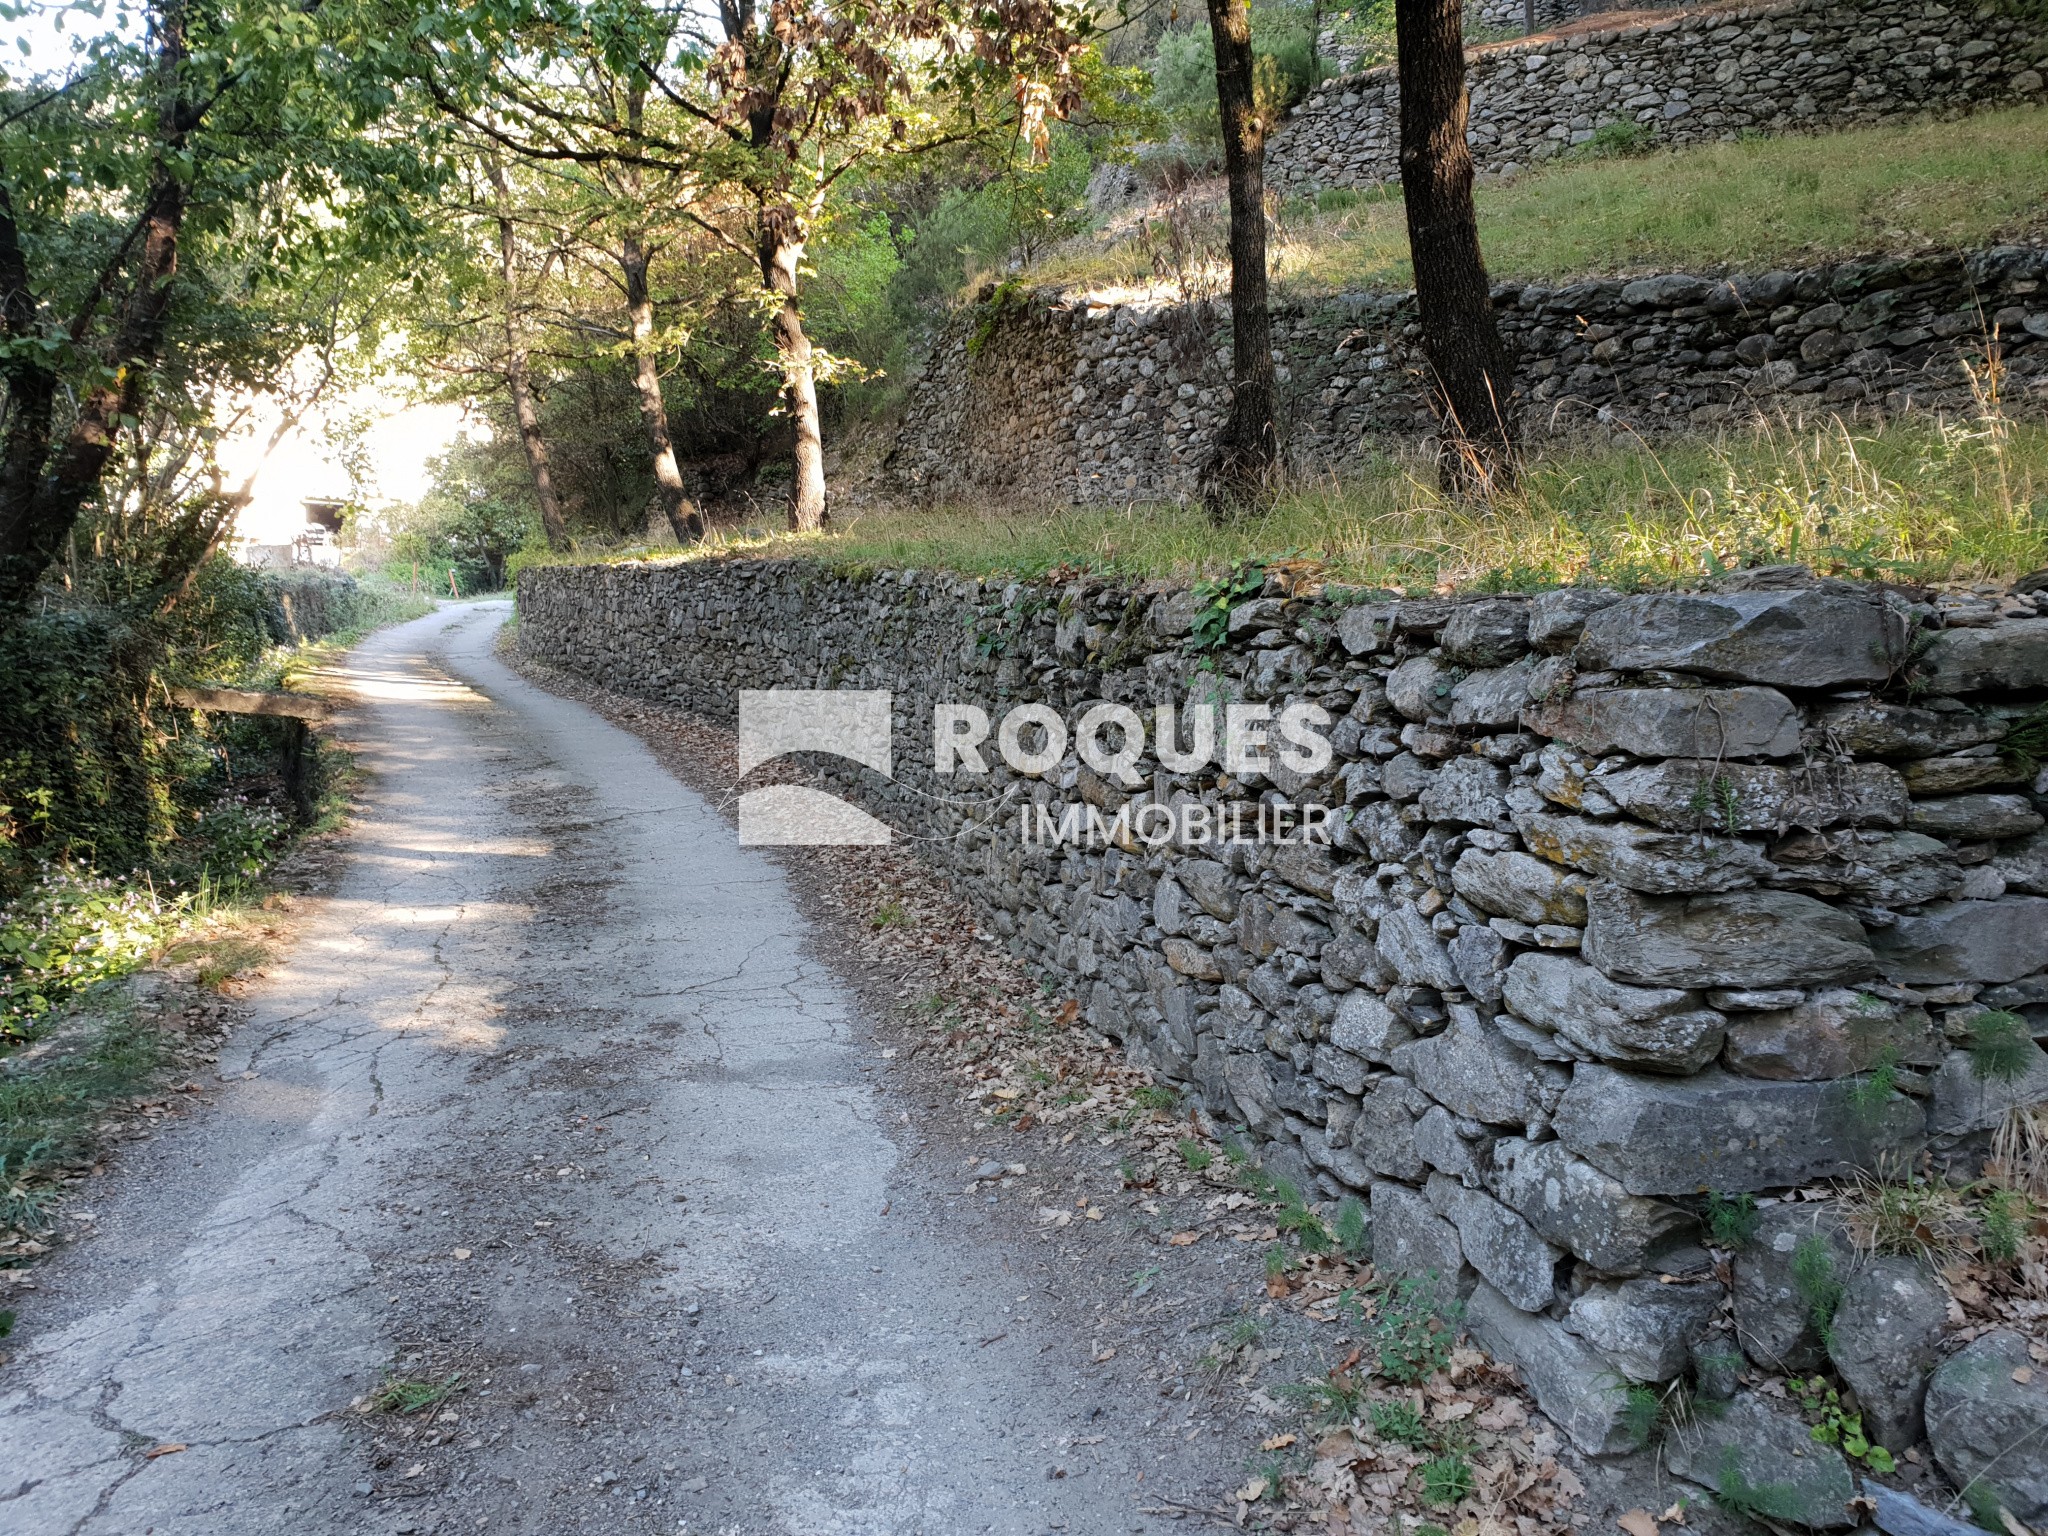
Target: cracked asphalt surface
[554,1093]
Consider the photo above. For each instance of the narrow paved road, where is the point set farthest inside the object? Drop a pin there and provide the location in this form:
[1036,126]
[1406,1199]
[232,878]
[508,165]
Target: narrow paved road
[551,1092]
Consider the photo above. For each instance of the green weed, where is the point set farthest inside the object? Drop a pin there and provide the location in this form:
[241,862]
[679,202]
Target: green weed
[1410,1333]
[1820,1288]
[891,914]
[2001,1047]
[1446,1479]
[1731,1220]
[1192,1153]
[1350,1229]
[413,1394]
[1330,1403]
[1401,1422]
[1734,1492]
[1832,1425]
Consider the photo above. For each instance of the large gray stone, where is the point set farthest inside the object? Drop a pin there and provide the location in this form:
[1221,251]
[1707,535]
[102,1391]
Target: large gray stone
[1697,794]
[1977,818]
[1480,956]
[1739,939]
[1769,1454]
[1487,634]
[1774,1316]
[1663,1029]
[1678,1136]
[1420,688]
[1498,695]
[1967,1099]
[1383,1134]
[1472,1070]
[1645,859]
[1467,790]
[1572,1383]
[2024,865]
[1499,1244]
[1900,1514]
[1986,1427]
[1367,1027]
[1408,944]
[1991,941]
[1517,885]
[1644,1326]
[1834,1033]
[1891,1317]
[1804,639]
[1712,723]
[1212,885]
[1410,1241]
[1868,728]
[1885,869]
[1557,619]
[1576,1206]
[2010,657]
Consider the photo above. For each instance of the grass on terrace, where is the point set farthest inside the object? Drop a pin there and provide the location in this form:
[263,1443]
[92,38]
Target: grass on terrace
[1948,503]
[1755,204]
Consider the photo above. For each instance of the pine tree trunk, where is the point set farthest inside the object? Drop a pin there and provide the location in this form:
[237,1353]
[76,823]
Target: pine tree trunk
[780,251]
[683,518]
[1472,377]
[518,378]
[1242,465]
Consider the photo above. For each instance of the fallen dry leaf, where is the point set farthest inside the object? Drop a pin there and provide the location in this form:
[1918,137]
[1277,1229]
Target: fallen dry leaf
[2023,1374]
[1182,1239]
[164,1450]
[1638,1522]
[1277,1442]
[1253,1491]
[1675,1515]
[462,1253]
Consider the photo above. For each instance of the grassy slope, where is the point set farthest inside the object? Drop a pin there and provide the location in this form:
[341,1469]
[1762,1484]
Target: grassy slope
[1756,204]
[1940,502]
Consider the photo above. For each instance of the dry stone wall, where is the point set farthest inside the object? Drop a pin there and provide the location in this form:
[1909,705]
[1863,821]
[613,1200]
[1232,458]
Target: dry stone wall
[1044,395]
[1629,899]
[1689,79]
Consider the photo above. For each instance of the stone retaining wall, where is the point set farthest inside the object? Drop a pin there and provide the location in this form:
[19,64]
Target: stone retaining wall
[1048,396]
[1630,899]
[1689,79]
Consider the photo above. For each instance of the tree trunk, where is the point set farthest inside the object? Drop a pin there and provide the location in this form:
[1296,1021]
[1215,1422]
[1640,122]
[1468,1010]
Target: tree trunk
[1241,467]
[781,249]
[683,517]
[518,378]
[38,505]
[1473,380]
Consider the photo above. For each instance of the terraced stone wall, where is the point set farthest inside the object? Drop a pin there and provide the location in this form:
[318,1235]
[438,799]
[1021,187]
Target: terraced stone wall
[1694,78]
[1050,396]
[1631,899]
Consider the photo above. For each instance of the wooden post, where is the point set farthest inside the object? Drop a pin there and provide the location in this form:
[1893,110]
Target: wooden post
[415,578]
[453,590]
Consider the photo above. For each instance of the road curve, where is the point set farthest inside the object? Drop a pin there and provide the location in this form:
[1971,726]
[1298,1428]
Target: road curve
[551,1092]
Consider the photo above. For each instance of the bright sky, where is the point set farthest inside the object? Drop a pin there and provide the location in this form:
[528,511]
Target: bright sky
[399,443]
[304,465]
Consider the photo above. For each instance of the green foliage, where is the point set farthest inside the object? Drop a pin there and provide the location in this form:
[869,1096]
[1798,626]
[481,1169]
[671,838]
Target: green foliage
[1217,599]
[1410,1333]
[1446,1479]
[69,931]
[413,1394]
[477,513]
[2005,1214]
[6,1324]
[50,1107]
[1330,1402]
[1731,1219]
[1987,1505]
[2001,1046]
[1402,1422]
[1871,1092]
[1822,1405]
[1617,139]
[1642,1412]
[1196,1156]
[1819,1286]
[1735,1493]
[1158,1097]
[1183,71]
[1353,1236]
